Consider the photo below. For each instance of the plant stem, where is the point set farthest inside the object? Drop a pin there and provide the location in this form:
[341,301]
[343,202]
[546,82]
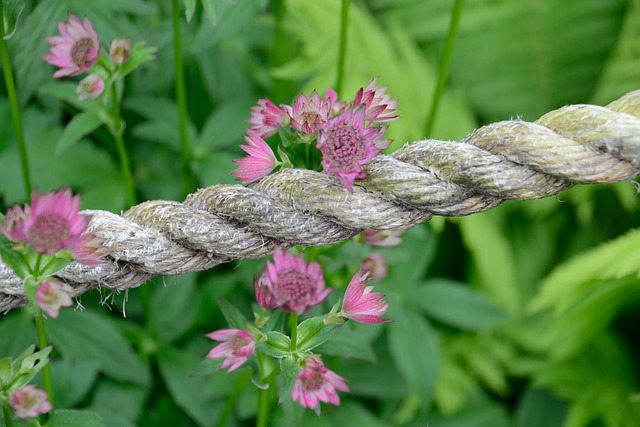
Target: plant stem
[293,324]
[15,107]
[8,422]
[188,180]
[342,52]
[125,165]
[233,398]
[42,344]
[444,65]
[263,407]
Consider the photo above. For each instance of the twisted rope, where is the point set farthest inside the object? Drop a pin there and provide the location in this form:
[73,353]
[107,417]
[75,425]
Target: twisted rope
[517,160]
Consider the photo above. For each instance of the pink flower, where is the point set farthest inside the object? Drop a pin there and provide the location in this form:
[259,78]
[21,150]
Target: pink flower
[382,238]
[315,383]
[237,347]
[266,117]
[51,295]
[91,87]
[376,265]
[119,50]
[263,295]
[379,105]
[258,164]
[362,305]
[307,114]
[29,401]
[295,286]
[347,144]
[52,223]
[75,50]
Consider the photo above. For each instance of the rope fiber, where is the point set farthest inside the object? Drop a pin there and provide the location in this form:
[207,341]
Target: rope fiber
[509,160]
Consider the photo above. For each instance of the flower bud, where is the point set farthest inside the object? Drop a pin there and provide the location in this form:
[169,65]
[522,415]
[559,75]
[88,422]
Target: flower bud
[91,87]
[119,50]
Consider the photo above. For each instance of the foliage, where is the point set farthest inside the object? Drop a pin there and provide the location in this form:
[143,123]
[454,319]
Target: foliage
[522,316]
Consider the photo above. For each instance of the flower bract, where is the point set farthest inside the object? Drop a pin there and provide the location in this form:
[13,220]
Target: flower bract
[315,383]
[309,113]
[237,347]
[266,117]
[75,50]
[361,304]
[259,162]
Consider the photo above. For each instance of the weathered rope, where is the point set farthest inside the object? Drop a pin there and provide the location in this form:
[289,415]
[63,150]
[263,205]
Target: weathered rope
[579,144]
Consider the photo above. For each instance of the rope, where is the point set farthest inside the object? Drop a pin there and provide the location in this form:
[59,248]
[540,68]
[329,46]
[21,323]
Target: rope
[516,160]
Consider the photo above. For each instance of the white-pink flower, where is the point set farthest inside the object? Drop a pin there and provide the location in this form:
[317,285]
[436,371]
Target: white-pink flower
[361,304]
[237,347]
[315,383]
[295,286]
[259,162]
[347,144]
[266,117]
[376,266]
[382,238]
[29,402]
[309,113]
[379,105]
[51,295]
[75,50]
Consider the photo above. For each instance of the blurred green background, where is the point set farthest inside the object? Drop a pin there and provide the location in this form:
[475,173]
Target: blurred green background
[524,316]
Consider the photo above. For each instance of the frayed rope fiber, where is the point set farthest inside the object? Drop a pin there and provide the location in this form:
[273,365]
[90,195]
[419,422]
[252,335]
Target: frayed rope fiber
[517,160]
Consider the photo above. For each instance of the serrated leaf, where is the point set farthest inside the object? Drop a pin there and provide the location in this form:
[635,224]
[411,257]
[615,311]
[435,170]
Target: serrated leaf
[12,9]
[73,418]
[189,9]
[314,332]
[232,315]
[456,304]
[80,125]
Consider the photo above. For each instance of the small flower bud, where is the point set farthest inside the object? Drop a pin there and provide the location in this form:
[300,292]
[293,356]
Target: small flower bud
[119,50]
[91,87]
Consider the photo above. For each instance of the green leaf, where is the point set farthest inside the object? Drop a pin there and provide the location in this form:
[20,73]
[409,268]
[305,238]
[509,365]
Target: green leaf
[314,332]
[21,329]
[210,10]
[5,371]
[28,365]
[81,125]
[126,401]
[349,344]
[73,380]
[189,9]
[415,349]
[208,366]
[539,408]
[72,418]
[92,337]
[138,55]
[54,263]
[232,315]
[171,313]
[293,411]
[12,259]
[277,345]
[12,9]
[456,304]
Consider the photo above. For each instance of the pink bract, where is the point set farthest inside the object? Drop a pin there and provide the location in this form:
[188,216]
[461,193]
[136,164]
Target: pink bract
[53,223]
[91,87]
[75,50]
[51,295]
[258,164]
[379,105]
[266,117]
[315,383]
[237,347]
[309,113]
[362,305]
[376,266]
[347,144]
[295,286]
[29,402]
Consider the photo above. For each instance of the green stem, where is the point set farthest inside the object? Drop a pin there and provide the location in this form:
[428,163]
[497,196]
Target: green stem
[342,52]
[280,52]
[444,65]
[233,398]
[8,422]
[263,407]
[188,181]
[15,108]
[42,344]
[293,324]
[125,165]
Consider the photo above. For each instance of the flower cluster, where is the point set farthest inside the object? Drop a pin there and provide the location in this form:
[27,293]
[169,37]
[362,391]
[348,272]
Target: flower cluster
[77,49]
[347,135]
[48,234]
[294,286]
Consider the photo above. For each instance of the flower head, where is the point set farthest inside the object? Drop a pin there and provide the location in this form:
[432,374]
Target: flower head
[347,144]
[119,50]
[266,117]
[259,163]
[382,238]
[75,50]
[362,305]
[295,286]
[91,87]
[264,297]
[237,347]
[51,295]
[53,223]
[29,401]
[309,113]
[379,105]
[315,383]
[376,265]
